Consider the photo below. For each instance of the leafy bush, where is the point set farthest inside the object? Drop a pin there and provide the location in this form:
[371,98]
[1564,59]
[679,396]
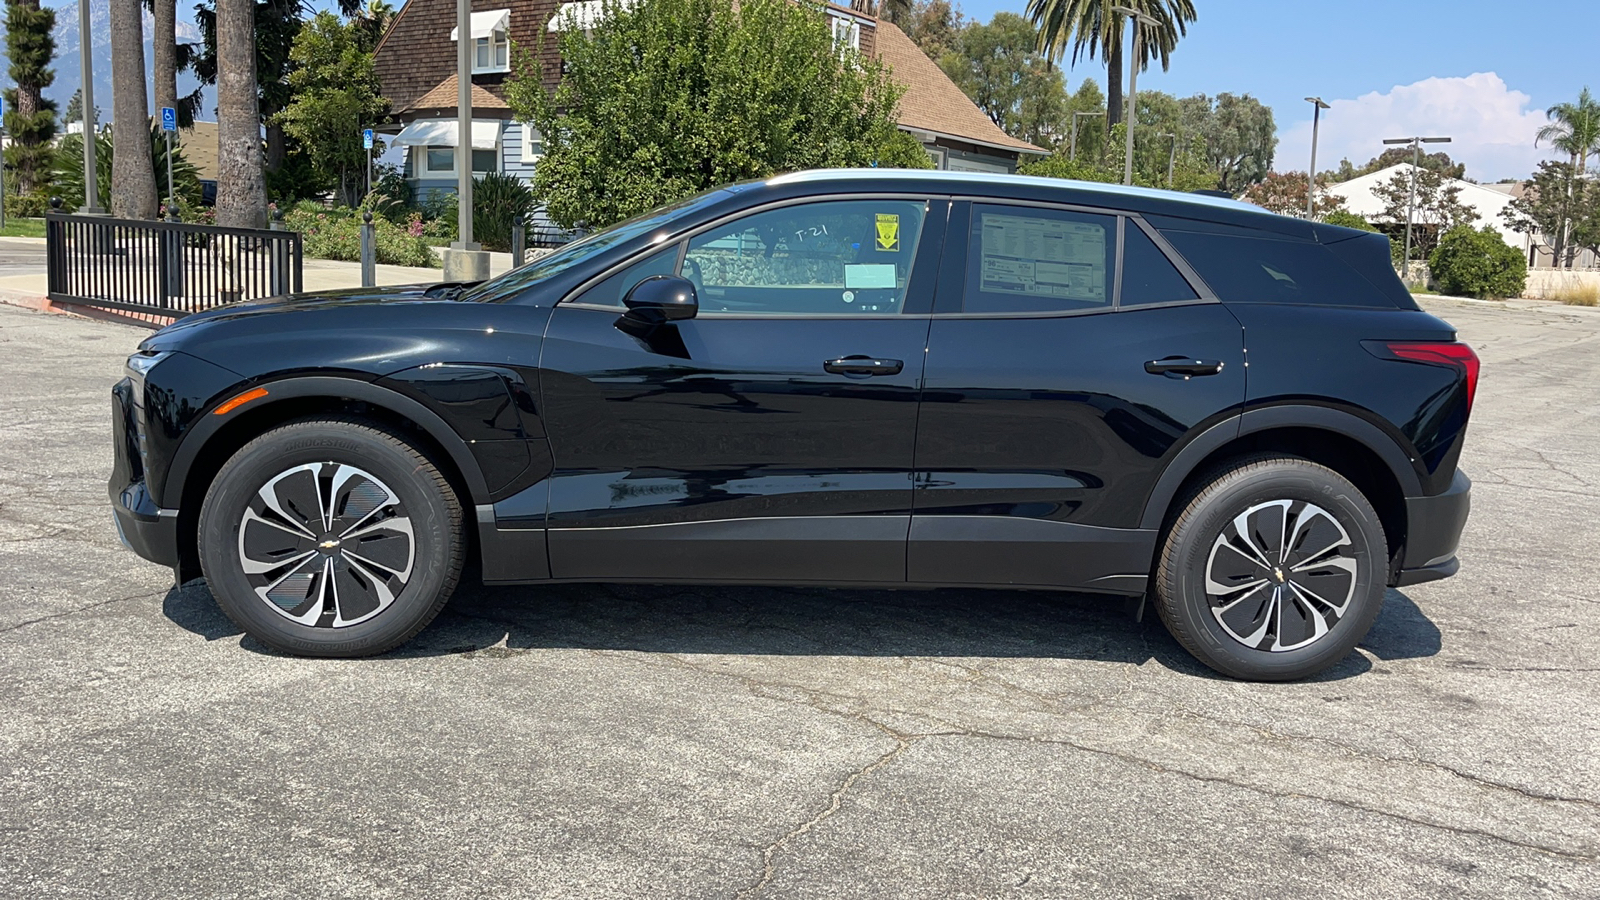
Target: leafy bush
[29,206]
[1477,263]
[1347,219]
[336,234]
[499,201]
[69,181]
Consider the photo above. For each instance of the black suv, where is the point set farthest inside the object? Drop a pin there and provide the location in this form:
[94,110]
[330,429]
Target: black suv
[853,378]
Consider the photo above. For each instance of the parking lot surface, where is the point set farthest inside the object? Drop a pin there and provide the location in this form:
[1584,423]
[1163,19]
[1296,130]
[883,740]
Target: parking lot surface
[605,741]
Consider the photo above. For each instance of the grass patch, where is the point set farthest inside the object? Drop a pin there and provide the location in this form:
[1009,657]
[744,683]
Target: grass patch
[33,228]
[1576,293]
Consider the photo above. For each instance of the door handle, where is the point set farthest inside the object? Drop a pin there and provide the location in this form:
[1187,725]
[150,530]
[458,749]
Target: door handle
[862,365]
[1184,367]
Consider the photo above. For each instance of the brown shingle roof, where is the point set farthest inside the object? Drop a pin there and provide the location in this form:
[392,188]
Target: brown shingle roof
[416,53]
[932,101]
[445,96]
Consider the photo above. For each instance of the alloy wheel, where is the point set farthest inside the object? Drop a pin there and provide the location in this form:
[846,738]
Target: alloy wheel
[1281,575]
[327,545]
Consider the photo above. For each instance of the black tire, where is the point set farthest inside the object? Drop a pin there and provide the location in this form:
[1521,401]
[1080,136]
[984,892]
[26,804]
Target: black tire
[1233,631]
[318,491]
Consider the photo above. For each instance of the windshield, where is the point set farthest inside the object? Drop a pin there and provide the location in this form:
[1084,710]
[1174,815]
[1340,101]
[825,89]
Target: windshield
[514,282]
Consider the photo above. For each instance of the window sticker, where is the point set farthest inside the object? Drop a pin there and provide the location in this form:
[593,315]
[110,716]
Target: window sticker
[1043,257]
[863,277]
[889,232]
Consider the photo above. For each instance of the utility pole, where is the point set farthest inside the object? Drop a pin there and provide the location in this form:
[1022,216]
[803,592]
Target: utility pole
[465,261]
[1411,203]
[91,189]
[1311,182]
[1139,19]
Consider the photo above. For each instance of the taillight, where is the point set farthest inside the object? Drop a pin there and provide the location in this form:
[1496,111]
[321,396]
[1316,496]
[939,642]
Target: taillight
[1454,354]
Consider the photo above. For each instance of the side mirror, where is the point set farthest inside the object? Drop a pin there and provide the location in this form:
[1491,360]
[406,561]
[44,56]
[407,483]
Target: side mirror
[661,298]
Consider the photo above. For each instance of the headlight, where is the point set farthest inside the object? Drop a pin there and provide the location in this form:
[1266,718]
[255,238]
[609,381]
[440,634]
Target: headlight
[143,361]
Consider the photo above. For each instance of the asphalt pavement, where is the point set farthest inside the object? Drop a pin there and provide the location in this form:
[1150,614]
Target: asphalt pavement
[608,741]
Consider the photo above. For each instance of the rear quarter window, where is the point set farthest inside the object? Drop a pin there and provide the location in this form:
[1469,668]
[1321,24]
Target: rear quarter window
[1248,269]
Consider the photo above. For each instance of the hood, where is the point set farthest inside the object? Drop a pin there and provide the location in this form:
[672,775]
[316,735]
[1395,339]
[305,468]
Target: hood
[439,292]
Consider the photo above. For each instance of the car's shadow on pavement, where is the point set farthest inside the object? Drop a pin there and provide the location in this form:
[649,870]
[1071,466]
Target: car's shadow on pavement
[814,621]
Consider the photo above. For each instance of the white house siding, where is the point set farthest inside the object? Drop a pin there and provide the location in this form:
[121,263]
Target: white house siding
[1361,199]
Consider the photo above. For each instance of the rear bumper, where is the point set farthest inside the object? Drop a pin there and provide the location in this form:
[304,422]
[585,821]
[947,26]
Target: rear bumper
[1433,533]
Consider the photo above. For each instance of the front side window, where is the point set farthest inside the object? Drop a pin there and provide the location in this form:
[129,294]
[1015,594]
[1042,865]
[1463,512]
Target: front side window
[1028,259]
[836,257]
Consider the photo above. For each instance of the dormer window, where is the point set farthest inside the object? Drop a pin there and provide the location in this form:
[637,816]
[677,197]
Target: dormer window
[491,39]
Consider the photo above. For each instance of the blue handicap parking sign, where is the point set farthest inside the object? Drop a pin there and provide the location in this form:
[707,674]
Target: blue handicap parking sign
[169,119]
[366,138]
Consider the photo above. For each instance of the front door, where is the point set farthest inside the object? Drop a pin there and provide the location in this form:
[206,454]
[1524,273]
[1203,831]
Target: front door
[1079,356]
[770,438]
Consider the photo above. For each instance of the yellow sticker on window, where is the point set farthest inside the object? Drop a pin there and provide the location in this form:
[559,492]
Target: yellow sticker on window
[889,232]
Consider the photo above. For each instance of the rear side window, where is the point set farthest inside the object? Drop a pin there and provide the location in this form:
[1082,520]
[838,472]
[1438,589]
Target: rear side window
[1028,259]
[1147,275]
[1262,270]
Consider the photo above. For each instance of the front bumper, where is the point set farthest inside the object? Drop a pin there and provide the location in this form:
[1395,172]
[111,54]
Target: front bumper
[144,527]
[1433,533]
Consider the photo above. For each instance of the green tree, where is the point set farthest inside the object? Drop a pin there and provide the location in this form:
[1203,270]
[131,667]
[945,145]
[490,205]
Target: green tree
[665,99]
[74,111]
[1574,129]
[1285,194]
[933,25]
[30,119]
[1091,126]
[1559,208]
[1438,207]
[336,92]
[1347,219]
[1475,262]
[1092,29]
[1239,136]
[999,66]
[1188,172]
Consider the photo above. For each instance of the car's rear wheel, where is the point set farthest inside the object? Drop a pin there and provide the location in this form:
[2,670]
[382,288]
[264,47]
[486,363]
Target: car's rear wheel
[331,537]
[1273,570]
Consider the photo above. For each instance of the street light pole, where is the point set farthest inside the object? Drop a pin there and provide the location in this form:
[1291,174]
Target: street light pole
[1139,19]
[1311,181]
[91,188]
[1075,116]
[1411,203]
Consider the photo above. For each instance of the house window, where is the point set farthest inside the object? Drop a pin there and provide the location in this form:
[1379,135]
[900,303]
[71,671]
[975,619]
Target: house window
[532,144]
[439,161]
[492,54]
[846,32]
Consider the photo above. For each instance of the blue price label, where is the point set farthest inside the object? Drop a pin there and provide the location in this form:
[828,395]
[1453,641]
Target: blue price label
[366,138]
[169,119]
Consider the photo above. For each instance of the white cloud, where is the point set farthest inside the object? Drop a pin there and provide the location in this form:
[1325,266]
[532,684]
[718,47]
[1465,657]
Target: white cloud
[1493,126]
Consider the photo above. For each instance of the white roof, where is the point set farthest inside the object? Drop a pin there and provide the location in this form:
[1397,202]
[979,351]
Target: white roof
[1361,199]
[485,24]
[446,133]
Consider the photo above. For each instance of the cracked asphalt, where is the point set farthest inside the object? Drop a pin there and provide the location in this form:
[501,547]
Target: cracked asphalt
[604,741]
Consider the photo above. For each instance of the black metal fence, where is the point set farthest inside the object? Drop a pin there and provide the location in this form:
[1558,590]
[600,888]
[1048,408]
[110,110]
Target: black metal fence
[166,268]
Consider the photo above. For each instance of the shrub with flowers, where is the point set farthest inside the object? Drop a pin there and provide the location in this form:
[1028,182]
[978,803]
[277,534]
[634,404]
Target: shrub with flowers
[336,234]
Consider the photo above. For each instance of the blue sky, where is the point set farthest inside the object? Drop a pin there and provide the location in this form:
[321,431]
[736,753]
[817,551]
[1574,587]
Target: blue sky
[1481,72]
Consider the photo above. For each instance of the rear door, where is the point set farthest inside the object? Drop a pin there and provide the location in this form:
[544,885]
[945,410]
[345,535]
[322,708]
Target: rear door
[770,438]
[1068,359]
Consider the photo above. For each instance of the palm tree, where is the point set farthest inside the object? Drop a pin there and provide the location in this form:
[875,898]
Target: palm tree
[164,50]
[1574,129]
[1093,30]
[133,183]
[241,189]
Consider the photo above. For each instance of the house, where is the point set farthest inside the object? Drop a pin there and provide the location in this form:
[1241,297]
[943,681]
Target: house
[416,65]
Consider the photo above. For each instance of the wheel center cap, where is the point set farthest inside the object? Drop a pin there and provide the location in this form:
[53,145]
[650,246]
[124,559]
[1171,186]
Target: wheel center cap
[1277,574]
[329,545]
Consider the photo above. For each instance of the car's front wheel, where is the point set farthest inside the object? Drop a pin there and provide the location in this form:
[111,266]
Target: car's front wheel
[1273,570]
[331,537]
